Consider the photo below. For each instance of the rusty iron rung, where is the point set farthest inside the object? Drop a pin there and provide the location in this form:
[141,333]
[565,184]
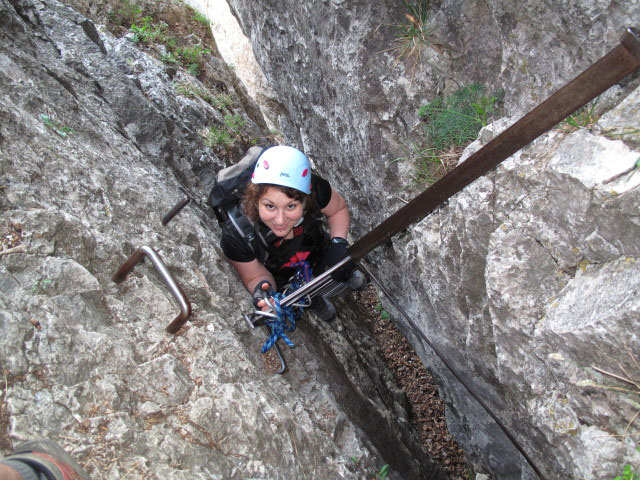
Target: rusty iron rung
[175,210]
[167,277]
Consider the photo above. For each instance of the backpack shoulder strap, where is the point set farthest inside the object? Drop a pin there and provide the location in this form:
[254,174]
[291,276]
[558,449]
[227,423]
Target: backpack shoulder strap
[247,231]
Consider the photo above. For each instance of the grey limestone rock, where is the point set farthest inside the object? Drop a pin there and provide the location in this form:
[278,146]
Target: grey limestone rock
[95,147]
[527,279]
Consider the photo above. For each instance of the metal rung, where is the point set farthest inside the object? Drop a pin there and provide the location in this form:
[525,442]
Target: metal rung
[170,282]
[175,210]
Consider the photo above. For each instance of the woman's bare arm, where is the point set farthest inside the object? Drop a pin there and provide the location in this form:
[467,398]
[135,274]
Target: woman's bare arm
[337,215]
[251,273]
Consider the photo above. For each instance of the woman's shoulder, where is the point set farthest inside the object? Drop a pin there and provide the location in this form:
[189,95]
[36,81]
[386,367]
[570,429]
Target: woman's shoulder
[321,190]
[234,248]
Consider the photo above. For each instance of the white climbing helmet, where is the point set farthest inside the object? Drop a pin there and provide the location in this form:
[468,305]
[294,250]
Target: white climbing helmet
[285,166]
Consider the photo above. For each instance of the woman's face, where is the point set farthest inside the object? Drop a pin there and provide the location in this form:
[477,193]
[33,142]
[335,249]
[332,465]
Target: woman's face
[279,212]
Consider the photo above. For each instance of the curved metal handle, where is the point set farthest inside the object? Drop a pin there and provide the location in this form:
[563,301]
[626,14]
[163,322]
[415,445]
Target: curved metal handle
[170,282]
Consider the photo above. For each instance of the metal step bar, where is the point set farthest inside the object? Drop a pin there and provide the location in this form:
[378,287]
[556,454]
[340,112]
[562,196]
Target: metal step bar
[139,256]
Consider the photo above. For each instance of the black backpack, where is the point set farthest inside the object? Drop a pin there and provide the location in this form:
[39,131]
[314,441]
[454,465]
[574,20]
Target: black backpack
[225,198]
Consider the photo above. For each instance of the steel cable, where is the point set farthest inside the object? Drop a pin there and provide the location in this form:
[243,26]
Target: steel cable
[444,360]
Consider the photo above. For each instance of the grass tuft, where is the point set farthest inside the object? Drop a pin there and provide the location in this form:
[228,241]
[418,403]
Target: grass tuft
[585,117]
[449,125]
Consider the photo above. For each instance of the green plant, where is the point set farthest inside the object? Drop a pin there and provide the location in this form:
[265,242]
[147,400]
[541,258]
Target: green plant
[192,54]
[218,137]
[190,90]
[193,69]
[169,57]
[40,284]
[384,315]
[427,166]
[449,125]
[234,123]
[145,31]
[221,101]
[191,58]
[226,135]
[412,35]
[56,126]
[457,119]
[627,474]
[581,118]
[383,473]
[125,16]
[201,18]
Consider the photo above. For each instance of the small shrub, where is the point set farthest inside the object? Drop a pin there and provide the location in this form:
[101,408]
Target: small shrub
[193,69]
[124,16]
[234,123]
[170,58]
[450,124]
[147,32]
[457,119]
[627,474]
[384,315]
[192,58]
[415,33]
[190,90]
[225,136]
[217,137]
[221,101]
[191,54]
[201,18]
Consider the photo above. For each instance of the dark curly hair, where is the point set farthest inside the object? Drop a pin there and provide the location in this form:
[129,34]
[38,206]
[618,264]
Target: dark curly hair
[253,193]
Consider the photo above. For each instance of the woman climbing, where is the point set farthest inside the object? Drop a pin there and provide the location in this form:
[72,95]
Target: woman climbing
[286,202]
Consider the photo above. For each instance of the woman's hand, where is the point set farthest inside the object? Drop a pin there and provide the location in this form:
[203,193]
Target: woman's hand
[262,290]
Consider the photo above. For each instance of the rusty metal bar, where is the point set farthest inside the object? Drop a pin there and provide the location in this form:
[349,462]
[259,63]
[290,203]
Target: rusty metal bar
[175,210]
[170,282]
[610,69]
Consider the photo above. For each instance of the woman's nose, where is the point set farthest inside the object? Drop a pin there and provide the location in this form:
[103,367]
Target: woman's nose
[280,217]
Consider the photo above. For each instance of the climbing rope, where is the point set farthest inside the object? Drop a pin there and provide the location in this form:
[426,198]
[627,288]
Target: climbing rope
[285,321]
[286,316]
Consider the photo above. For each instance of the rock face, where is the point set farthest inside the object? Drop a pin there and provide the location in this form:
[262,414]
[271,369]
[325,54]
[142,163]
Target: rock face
[528,280]
[96,146]
[543,257]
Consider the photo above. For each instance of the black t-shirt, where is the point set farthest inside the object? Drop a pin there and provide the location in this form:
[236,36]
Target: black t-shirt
[309,238]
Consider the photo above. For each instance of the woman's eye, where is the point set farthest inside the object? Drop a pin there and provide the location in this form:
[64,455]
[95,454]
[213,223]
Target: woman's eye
[293,206]
[268,207]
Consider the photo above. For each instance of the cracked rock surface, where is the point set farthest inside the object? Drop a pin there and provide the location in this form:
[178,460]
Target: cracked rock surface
[95,147]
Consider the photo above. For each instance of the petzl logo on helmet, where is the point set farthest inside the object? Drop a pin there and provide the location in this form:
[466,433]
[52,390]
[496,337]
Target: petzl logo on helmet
[284,174]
